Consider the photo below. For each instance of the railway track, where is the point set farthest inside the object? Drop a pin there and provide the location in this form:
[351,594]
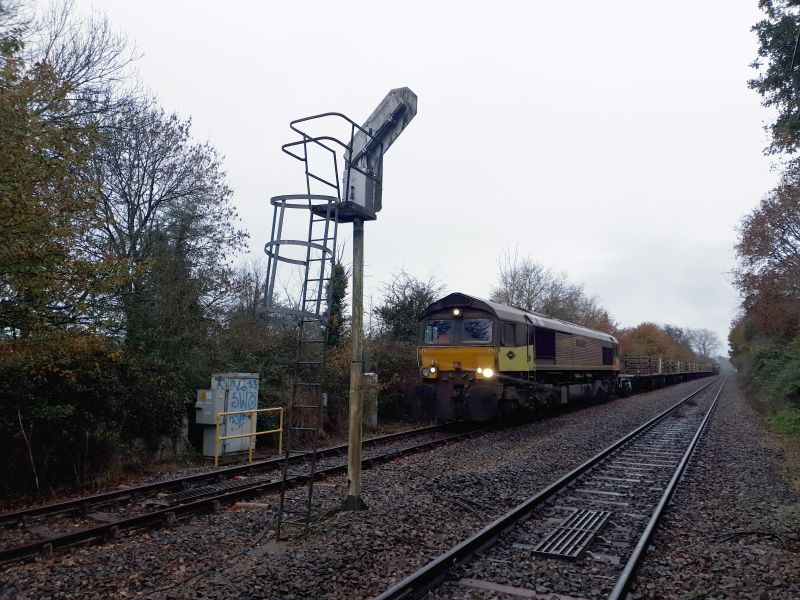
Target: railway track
[199,493]
[589,529]
[88,504]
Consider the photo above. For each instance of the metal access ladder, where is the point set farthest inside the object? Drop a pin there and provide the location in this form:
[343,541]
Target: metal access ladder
[305,410]
[351,186]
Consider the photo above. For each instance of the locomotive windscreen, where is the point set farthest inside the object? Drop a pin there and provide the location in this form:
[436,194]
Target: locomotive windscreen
[439,331]
[476,331]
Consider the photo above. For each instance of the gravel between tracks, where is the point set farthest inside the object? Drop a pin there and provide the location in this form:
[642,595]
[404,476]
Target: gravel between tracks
[733,529]
[419,507]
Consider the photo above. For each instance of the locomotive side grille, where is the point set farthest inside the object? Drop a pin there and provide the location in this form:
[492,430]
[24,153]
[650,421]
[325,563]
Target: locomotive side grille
[588,352]
[564,349]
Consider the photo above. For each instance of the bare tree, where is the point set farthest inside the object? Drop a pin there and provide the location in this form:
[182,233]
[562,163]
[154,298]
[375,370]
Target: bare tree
[683,335]
[249,290]
[705,342]
[522,281]
[526,284]
[161,194]
[89,54]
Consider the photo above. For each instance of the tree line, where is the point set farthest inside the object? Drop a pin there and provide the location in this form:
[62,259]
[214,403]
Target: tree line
[527,284]
[117,290]
[765,336]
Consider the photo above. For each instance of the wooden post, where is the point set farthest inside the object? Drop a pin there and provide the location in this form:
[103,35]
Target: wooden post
[353,500]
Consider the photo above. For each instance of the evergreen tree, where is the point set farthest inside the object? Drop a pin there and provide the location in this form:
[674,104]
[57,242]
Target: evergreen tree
[778,66]
[336,328]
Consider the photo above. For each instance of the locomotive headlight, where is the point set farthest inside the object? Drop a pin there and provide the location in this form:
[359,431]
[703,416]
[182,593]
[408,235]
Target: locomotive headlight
[456,312]
[488,373]
[433,369]
[479,370]
[426,372]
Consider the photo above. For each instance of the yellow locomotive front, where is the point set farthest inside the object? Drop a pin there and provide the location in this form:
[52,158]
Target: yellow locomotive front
[458,360]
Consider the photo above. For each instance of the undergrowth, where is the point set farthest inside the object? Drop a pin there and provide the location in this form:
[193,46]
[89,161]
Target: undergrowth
[786,421]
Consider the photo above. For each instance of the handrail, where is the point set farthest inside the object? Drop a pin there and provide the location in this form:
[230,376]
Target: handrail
[318,140]
[253,433]
[327,114]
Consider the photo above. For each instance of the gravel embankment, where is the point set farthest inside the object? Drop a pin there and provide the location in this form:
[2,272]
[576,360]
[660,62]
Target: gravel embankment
[733,529]
[419,507]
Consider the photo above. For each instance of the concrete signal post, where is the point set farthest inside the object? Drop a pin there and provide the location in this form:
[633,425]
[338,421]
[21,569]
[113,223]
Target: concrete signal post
[363,188]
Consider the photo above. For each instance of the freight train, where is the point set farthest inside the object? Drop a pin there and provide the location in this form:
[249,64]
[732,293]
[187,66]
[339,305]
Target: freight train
[480,360]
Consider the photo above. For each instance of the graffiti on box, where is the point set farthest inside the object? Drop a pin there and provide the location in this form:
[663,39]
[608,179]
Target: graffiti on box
[242,394]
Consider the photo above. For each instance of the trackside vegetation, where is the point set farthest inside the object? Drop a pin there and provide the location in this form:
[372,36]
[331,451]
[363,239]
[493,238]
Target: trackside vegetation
[765,336]
[114,245]
[787,421]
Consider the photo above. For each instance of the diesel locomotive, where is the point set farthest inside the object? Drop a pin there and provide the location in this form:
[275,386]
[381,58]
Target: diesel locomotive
[480,360]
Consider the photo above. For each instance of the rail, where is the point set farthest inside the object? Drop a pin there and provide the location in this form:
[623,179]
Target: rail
[253,417]
[431,575]
[626,578]
[212,502]
[87,504]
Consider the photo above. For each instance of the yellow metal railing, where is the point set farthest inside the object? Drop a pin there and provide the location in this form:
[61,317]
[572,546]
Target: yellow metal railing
[253,433]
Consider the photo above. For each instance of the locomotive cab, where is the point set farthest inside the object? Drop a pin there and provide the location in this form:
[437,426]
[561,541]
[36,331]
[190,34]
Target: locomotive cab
[458,359]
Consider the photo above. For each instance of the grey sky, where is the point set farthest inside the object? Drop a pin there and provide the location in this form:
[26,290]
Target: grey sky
[616,141]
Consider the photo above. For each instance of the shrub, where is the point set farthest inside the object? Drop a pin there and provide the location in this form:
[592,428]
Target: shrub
[787,421]
[70,405]
[395,362]
[774,372]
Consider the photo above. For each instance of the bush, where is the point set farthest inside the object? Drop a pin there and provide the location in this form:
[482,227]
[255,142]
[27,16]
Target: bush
[395,362]
[787,421]
[772,371]
[69,406]
[337,385]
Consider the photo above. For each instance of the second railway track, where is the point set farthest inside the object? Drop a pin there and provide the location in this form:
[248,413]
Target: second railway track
[86,504]
[584,535]
[198,493]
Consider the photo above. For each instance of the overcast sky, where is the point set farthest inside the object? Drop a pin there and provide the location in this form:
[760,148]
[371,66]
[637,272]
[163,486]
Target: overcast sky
[615,141]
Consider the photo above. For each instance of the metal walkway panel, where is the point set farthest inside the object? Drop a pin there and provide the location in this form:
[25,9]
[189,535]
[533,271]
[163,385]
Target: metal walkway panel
[574,534]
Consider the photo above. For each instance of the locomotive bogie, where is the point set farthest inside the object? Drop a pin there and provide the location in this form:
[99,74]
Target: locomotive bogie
[463,399]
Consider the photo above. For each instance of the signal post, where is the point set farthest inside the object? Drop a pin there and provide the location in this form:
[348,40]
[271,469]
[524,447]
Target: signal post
[362,199]
[353,500]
